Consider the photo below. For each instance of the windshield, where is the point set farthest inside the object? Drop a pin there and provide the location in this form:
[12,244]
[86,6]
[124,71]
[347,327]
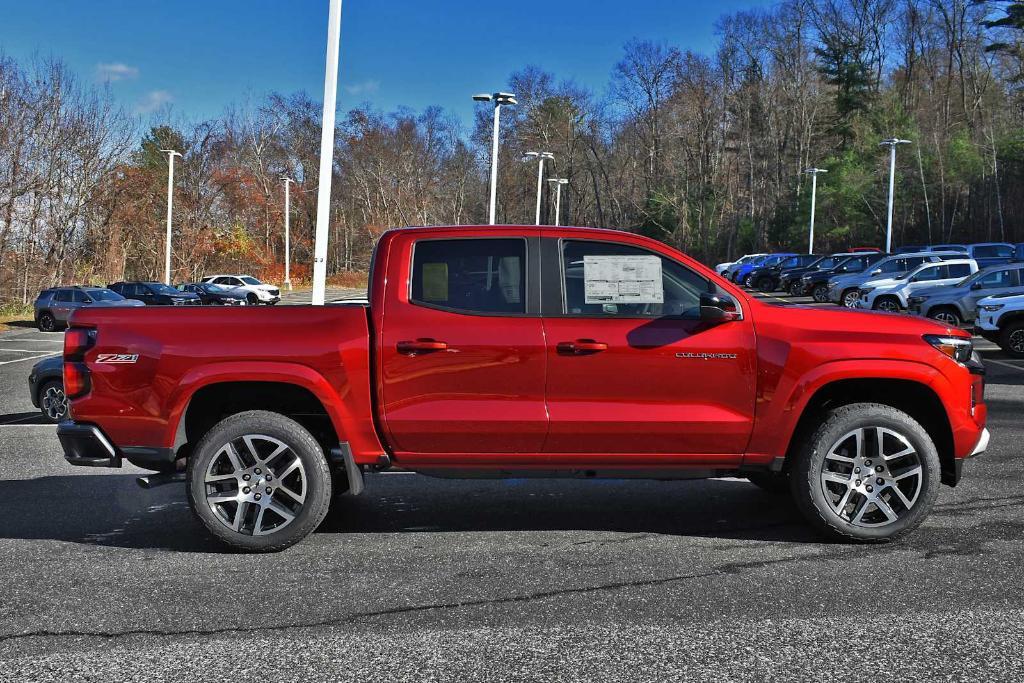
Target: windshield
[212,288]
[850,264]
[104,295]
[249,280]
[161,288]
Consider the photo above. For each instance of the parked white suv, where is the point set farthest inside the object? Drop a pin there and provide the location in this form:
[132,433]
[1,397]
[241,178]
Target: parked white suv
[1001,320]
[891,294]
[258,292]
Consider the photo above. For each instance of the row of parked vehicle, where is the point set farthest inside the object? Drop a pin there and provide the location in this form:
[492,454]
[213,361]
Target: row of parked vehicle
[53,306]
[977,285]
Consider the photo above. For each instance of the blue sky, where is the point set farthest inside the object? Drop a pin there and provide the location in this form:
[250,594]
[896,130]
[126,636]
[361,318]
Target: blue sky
[201,56]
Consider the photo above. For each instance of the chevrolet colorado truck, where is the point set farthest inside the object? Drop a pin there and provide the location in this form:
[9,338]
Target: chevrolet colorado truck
[510,351]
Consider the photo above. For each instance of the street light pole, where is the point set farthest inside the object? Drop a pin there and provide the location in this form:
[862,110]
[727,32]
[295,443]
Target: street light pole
[323,197]
[558,182]
[813,172]
[287,232]
[170,209]
[499,98]
[541,157]
[891,143]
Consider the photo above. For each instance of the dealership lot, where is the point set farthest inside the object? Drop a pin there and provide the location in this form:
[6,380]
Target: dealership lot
[520,579]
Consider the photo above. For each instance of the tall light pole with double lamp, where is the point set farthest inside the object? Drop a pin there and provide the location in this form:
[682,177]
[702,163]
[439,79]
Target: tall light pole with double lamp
[499,98]
[558,182]
[541,157]
[287,232]
[813,172]
[170,209]
[891,143]
[323,196]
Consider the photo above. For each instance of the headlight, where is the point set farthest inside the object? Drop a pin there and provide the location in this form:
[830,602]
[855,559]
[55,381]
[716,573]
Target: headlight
[992,307]
[866,290]
[957,348]
[916,300]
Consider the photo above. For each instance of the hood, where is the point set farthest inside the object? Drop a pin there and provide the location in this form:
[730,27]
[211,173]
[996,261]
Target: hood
[1004,298]
[884,283]
[182,295]
[125,303]
[821,325]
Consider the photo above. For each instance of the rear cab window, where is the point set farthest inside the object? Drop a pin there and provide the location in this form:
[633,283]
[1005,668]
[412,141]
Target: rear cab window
[484,276]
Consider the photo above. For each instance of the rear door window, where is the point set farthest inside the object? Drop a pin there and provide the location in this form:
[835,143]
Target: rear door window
[485,276]
[958,270]
[63,296]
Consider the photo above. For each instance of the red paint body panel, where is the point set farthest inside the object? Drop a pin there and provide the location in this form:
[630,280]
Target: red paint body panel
[501,394]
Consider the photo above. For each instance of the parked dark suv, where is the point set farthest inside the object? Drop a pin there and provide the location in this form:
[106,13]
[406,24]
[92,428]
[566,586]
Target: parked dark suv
[155,294]
[216,295]
[54,305]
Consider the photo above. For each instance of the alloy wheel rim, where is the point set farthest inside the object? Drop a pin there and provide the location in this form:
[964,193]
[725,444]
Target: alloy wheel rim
[888,306]
[872,477]
[55,403]
[47,323]
[255,485]
[850,299]
[819,295]
[1017,341]
[947,318]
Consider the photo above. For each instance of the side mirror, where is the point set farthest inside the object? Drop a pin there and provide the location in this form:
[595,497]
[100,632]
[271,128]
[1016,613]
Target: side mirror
[717,308]
[876,271]
[975,285]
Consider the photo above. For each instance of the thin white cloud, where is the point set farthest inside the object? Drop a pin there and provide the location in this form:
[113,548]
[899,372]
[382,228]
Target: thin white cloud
[364,88]
[116,71]
[153,101]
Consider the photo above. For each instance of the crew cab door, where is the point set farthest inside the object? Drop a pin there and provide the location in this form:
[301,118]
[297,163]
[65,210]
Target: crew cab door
[641,378]
[461,351]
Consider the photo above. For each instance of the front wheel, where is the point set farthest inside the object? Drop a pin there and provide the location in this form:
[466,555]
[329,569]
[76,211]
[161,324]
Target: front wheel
[869,473]
[889,304]
[850,298]
[1011,339]
[946,316]
[259,481]
[766,284]
[820,294]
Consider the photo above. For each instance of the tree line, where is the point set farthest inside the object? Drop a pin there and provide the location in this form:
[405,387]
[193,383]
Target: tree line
[705,152]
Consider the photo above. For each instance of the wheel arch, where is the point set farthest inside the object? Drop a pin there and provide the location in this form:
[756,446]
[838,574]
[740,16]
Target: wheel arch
[1010,317]
[911,396]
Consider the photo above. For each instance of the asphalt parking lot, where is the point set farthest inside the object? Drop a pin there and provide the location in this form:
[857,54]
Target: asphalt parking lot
[423,579]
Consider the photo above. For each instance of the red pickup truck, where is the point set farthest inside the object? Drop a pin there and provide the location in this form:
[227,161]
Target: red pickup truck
[510,351]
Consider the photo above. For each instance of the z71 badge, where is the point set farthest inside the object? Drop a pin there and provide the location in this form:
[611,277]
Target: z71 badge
[117,357]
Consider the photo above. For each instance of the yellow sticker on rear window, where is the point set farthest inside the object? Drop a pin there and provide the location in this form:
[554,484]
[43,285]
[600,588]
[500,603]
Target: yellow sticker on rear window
[435,282]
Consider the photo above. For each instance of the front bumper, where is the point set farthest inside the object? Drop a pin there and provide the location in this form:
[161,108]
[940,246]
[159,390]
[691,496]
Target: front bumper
[982,444]
[86,445]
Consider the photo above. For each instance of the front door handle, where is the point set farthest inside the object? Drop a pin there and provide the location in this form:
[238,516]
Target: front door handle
[411,348]
[581,347]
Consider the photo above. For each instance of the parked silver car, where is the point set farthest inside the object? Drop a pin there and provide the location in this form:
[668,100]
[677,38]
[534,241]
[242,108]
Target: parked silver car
[54,306]
[958,304]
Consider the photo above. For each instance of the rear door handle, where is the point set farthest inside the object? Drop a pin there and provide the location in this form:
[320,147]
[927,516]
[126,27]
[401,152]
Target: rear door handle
[413,347]
[581,347]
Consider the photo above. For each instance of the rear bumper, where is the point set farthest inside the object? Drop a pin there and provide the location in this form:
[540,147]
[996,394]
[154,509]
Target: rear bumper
[86,445]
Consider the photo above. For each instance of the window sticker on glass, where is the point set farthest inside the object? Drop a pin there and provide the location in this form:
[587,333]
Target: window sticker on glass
[435,282]
[622,280]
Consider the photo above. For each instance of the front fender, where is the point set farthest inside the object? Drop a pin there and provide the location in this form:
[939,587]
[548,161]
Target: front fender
[779,409]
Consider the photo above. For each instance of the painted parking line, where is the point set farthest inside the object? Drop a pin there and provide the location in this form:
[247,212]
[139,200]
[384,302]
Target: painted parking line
[19,360]
[1003,363]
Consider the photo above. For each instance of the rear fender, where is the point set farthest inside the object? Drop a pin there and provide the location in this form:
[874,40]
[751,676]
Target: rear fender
[352,423]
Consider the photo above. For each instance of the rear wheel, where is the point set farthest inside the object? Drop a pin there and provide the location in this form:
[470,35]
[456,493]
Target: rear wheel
[869,473]
[47,323]
[946,315]
[1011,339]
[820,293]
[259,481]
[850,298]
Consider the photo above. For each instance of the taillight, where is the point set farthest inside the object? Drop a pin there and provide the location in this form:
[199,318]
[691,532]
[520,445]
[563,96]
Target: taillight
[76,379]
[77,340]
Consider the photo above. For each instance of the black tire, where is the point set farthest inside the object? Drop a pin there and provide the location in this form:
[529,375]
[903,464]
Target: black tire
[808,488]
[252,299]
[795,288]
[946,315]
[53,404]
[302,445]
[47,323]
[820,293]
[776,483]
[1011,339]
[766,284]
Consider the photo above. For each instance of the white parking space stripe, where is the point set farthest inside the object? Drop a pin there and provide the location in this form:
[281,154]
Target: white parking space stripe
[18,360]
[2,350]
[1003,363]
